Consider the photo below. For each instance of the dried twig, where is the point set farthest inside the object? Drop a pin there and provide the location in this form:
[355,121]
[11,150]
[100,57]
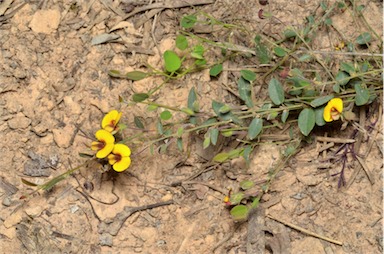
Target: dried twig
[336,140]
[302,230]
[112,226]
[171,5]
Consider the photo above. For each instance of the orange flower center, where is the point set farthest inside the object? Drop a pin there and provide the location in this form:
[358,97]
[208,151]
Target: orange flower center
[118,157]
[335,114]
[101,144]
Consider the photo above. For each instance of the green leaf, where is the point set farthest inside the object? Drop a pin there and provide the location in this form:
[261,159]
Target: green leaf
[255,202]
[192,98]
[217,106]
[181,42]
[284,115]
[225,109]
[221,157]
[246,184]
[206,141]
[198,52]
[188,111]
[115,73]
[139,124]
[200,62]
[180,132]
[239,212]
[166,115]
[136,75]
[214,134]
[179,143]
[321,101]
[245,91]
[216,70]
[188,21]
[362,95]
[323,6]
[248,75]
[347,67]
[262,51]
[364,38]
[26,182]
[336,88]
[235,153]
[279,51]
[160,128]
[152,107]
[227,133]
[289,33]
[246,153]
[328,21]
[255,128]
[306,121]
[342,78]
[139,97]
[319,118]
[275,91]
[236,198]
[85,155]
[172,61]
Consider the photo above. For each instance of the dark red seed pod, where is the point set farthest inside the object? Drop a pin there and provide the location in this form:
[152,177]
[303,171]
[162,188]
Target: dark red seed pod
[263,2]
[260,14]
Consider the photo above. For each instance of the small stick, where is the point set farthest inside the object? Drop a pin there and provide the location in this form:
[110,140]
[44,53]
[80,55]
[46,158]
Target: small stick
[305,231]
[335,140]
[174,4]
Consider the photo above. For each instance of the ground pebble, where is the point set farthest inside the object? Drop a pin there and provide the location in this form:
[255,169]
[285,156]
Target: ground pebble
[105,240]
[19,122]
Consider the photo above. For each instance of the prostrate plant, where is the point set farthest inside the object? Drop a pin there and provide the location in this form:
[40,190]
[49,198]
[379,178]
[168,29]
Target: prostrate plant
[117,154]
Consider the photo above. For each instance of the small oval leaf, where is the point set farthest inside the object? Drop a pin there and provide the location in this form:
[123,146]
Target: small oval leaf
[214,134]
[216,70]
[239,212]
[181,42]
[139,97]
[306,121]
[165,115]
[248,75]
[255,128]
[136,75]
[362,95]
[221,157]
[276,91]
[172,61]
[246,184]
[321,101]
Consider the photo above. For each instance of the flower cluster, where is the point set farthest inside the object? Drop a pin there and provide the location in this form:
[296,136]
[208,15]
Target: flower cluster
[118,155]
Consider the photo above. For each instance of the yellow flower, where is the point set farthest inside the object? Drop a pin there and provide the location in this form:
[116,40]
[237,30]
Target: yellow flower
[110,121]
[104,145]
[333,110]
[119,157]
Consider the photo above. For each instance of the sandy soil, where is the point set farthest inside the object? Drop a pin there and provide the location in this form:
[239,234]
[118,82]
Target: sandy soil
[55,87]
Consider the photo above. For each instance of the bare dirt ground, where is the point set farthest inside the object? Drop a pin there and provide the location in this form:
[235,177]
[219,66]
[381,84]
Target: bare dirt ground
[54,84]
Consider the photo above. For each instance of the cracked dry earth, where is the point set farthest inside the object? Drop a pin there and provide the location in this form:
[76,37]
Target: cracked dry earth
[55,89]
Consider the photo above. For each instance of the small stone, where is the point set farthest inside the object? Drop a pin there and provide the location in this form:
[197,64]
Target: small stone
[106,240]
[19,122]
[62,137]
[45,21]
[73,208]
[6,201]
[34,211]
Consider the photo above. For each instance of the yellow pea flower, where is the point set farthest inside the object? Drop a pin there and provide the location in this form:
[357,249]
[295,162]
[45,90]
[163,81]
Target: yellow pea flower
[333,110]
[119,157]
[104,145]
[110,121]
